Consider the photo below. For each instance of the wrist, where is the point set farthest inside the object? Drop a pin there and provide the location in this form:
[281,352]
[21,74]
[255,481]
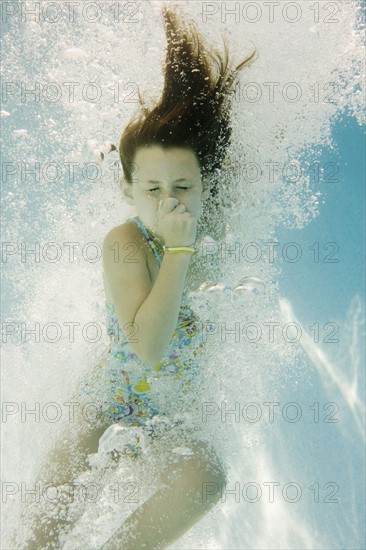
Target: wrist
[178,257]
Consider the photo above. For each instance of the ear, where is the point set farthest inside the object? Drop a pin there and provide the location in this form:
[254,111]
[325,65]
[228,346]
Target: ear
[127,191]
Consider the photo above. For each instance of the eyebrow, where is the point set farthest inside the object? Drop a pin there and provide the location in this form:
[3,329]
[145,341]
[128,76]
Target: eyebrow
[175,181]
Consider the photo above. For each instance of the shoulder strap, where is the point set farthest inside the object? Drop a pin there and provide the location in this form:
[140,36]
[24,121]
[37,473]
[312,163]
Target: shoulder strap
[148,237]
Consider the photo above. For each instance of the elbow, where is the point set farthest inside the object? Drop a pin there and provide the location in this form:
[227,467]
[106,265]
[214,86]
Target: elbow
[148,349]
[154,357]
[148,355]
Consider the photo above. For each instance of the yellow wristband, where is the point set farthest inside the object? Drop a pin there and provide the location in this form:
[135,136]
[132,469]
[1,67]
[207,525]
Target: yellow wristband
[176,249]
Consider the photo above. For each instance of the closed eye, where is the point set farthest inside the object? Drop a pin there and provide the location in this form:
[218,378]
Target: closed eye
[157,188]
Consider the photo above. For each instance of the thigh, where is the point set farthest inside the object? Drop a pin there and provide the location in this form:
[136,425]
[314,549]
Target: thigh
[185,453]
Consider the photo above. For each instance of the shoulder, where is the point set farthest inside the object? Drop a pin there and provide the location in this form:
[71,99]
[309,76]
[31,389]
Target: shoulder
[126,228]
[118,239]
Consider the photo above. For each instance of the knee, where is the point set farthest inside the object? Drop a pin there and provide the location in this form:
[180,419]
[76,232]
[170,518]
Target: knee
[213,479]
[209,473]
[209,483]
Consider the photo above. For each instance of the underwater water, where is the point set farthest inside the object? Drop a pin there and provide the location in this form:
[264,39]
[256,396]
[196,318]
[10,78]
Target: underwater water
[282,389]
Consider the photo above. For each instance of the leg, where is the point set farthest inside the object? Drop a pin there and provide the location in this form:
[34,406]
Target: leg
[63,464]
[174,508]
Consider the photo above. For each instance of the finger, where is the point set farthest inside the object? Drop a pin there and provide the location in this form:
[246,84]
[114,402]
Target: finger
[173,203]
[163,206]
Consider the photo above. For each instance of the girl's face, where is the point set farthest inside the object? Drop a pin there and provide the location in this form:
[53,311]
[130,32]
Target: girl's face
[163,173]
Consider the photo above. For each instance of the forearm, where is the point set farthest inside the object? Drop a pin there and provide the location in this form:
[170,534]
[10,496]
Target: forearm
[157,317]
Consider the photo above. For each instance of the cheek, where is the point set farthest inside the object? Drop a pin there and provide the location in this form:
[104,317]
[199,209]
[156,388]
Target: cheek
[196,206]
[150,200]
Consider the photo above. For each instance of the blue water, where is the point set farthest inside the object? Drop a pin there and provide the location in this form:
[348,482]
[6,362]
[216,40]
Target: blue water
[331,277]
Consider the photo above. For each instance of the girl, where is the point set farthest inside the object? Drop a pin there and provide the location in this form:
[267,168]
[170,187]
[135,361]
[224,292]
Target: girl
[168,154]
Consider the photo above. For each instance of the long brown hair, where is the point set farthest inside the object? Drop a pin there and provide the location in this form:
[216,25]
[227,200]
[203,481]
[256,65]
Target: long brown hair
[194,108]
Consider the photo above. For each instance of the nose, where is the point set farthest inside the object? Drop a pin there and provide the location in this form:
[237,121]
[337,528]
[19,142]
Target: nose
[168,195]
